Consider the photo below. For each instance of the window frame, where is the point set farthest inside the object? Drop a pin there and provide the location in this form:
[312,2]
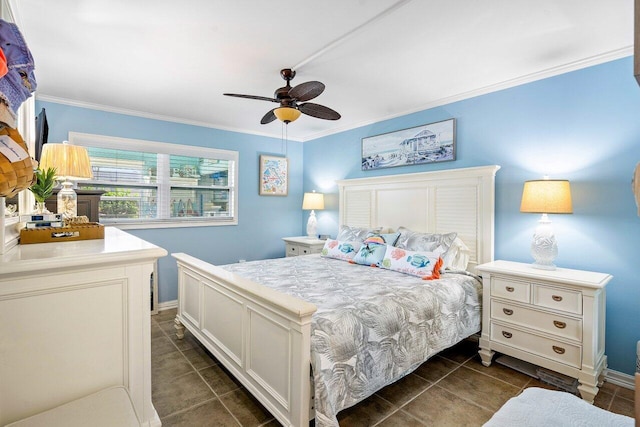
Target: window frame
[146,146]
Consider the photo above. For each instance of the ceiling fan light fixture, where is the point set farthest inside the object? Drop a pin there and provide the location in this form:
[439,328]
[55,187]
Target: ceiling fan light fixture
[287,114]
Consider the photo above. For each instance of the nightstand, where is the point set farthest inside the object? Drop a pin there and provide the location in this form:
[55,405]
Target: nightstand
[302,245]
[551,318]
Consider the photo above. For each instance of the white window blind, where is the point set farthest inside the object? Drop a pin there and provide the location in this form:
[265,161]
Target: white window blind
[161,184]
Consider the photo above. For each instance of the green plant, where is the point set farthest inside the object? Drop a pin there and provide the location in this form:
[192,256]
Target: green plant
[113,208]
[43,187]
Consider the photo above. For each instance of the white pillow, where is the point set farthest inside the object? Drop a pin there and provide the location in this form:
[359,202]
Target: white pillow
[457,257]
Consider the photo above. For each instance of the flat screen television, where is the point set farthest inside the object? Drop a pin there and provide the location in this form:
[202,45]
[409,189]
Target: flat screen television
[42,133]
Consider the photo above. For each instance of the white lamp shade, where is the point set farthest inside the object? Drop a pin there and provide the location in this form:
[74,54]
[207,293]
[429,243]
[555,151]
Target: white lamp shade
[70,161]
[313,201]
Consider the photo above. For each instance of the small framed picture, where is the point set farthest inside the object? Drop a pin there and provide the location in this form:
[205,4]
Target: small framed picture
[274,176]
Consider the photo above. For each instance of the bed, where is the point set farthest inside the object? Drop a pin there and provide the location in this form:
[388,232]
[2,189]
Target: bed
[268,331]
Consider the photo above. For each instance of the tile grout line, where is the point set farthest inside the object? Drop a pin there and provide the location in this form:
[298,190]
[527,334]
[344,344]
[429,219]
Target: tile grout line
[217,396]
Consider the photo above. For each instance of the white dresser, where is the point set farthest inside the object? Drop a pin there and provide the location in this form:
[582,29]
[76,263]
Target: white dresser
[302,245]
[74,319]
[554,319]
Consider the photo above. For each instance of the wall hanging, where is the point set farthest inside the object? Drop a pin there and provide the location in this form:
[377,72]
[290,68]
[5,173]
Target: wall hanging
[434,142]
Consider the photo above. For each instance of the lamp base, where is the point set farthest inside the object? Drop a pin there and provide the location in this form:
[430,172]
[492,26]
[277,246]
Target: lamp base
[544,248]
[311,225]
[67,201]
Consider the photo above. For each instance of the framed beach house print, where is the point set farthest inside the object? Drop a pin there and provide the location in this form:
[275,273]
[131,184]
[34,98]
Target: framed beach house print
[274,176]
[435,142]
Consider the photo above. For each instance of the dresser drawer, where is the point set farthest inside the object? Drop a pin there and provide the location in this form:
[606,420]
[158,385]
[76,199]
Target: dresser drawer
[292,250]
[510,289]
[555,324]
[557,299]
[559,351]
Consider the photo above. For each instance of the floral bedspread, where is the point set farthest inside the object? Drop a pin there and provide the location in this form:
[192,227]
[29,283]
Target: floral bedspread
[373,326]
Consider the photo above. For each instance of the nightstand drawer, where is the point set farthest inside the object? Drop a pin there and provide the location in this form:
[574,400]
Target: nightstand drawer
[292,250]
[557,299]
[308,251]
[555,324]
[509,289]
[559,351]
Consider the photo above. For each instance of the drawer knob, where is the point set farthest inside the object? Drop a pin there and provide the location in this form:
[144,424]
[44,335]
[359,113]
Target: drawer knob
[509,335]
[507,311]
[558,350]
[559,325]
[556,298]
[509,288]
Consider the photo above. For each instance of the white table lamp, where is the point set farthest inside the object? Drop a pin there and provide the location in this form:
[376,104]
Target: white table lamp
[545,196]
[312,201]
[72,164]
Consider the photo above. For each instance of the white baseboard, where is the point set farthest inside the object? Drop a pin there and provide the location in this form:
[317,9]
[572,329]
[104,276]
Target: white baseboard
[621,379]
[168,305]
[614,377]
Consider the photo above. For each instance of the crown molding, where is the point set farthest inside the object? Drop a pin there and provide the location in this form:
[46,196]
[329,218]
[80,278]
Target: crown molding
[529,78]
[136,113]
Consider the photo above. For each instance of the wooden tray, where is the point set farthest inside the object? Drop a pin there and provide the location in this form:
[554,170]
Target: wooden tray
[88,231]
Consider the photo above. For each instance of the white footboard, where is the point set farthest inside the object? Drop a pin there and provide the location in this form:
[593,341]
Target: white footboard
[260,335]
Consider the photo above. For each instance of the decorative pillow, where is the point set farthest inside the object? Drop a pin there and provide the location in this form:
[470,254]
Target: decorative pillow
[355,234]
[340,250]
[457,257]
[424,242]
[422,264]
[382,238]
[370,253]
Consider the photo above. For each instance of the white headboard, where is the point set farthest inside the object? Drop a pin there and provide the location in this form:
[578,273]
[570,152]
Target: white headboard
[460,200]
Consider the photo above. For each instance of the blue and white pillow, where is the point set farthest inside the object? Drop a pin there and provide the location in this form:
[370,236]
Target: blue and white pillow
[340,250]
[370,254]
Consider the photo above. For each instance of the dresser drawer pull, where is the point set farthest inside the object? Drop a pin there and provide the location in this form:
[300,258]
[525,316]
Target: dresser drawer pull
[559,325]
[507,311]
[558,350]
[509,288]
[556,298]
[509,335]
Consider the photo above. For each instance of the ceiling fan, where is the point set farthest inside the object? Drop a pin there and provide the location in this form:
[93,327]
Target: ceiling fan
[292,101]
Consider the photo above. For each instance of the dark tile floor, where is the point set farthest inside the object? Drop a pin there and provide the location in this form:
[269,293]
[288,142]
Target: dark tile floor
[453,388]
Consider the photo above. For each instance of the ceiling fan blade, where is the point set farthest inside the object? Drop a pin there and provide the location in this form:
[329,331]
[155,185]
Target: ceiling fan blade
[319,111]
[260,98]
[268,118]
[306,91]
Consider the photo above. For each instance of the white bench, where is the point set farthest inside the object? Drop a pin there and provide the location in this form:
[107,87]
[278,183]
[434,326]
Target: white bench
[110,407]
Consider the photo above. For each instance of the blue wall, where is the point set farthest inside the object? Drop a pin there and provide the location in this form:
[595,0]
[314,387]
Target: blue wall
[262,220]
[583,126]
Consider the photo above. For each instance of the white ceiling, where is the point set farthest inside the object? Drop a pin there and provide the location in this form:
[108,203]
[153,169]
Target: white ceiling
[379,59]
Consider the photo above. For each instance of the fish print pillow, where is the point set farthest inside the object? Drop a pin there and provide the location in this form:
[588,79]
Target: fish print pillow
[370,253]
[422,264]
[340,250]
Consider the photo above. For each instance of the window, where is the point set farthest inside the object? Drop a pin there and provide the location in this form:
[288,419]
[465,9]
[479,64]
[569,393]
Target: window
[156,184]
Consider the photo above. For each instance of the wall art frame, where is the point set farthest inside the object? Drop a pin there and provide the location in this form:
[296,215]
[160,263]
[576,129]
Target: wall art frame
[274,176]
[430,143]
